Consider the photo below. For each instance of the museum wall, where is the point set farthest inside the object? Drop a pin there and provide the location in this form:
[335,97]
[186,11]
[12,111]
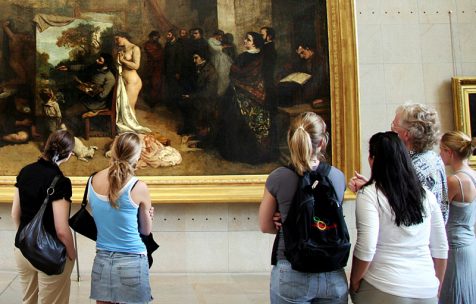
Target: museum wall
[408,51]
[405,52]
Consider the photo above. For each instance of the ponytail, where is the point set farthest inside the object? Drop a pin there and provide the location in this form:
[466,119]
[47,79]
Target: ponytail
[125,153]
[307,139]
[118,174]
[300,147]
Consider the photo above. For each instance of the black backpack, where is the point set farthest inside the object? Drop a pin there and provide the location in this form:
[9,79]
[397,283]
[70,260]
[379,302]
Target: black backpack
[315,233]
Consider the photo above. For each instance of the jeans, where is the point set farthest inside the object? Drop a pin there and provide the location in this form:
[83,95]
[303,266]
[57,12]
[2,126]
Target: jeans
[290,286]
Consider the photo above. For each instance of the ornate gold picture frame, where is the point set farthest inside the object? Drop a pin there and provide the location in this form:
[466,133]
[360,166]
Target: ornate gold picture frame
[464,102]
[345,131]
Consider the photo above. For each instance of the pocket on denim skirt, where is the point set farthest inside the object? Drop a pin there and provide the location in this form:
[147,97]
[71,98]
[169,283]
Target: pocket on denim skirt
[293,285]
[129,275]
[97,272]
[336,282]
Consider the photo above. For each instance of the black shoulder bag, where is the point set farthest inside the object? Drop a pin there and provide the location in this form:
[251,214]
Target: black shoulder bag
[44,251]
[82,221]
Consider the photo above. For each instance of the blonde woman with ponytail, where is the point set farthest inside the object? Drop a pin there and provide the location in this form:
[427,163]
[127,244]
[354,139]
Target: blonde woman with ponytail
[121,207]
[307,140]
[459,283]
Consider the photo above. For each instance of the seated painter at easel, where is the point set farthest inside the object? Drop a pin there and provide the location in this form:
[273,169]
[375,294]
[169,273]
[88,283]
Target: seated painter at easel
[95,93]
[306,81]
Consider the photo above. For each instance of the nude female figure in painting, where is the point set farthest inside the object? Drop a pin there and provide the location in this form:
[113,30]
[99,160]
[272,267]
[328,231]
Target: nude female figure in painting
[129,84]
[128,56]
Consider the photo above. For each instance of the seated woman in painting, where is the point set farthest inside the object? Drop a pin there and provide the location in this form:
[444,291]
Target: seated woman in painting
[129,84]
[246,117]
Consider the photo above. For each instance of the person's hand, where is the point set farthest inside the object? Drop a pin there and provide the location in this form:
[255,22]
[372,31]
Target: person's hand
[317,102]
[6,23]
[120,56]
[151,212]
[277,220]
[71,255]
[62,68]
[185,96]
[357,181]
[354,286]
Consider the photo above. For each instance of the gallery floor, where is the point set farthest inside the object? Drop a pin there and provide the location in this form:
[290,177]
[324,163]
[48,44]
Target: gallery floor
[168,288]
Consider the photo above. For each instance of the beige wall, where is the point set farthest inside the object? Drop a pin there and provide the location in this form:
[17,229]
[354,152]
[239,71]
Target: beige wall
[215,238]
[406,53]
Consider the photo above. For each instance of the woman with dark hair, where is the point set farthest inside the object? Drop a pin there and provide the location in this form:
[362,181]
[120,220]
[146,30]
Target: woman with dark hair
[129,84]
[307,140]
[121,207]
[401,250]
[30,192]
[459,284]
[246,117]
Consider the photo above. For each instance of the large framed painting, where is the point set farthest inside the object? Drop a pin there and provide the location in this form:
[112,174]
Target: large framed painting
[211,87]
[464,105]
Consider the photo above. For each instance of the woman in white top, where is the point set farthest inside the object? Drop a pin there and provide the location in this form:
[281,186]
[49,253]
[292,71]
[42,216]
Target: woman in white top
[401,250]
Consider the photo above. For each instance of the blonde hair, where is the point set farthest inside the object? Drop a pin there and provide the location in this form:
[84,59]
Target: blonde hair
[458,142]
[306,138]
[125,153]
[422,123]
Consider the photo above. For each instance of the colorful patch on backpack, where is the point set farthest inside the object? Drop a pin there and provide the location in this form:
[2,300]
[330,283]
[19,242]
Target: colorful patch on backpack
[322,225]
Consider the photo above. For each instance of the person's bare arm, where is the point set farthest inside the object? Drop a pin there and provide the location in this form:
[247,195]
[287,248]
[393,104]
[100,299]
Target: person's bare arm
[61,215]
[359,268]
[440,269]
[141,195]
[16,210]
[453,187]
[7,30]
[267,210]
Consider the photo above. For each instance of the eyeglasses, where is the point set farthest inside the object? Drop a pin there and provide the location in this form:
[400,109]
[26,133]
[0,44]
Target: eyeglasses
[394,126]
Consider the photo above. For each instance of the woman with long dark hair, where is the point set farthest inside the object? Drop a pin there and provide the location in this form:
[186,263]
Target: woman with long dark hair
[32,183]
[401,250]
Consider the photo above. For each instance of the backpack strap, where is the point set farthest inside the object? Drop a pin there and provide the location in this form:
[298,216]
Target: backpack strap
[274,252]
[324,168]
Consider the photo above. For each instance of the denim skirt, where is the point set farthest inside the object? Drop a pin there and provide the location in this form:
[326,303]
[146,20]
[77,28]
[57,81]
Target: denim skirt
[120,277]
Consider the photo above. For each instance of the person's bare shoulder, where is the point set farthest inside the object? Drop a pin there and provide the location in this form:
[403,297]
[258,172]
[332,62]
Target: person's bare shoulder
[140,188]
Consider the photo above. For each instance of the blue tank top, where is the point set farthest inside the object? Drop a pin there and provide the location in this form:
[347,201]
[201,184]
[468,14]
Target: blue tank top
[118,229]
